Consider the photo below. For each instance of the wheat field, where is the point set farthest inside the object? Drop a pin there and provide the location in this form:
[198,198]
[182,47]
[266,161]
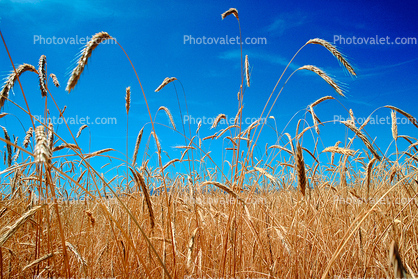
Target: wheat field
[353,216]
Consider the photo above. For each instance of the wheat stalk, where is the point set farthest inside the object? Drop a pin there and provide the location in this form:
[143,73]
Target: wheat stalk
[223,187]
[27,138]
[42,75]
[395,260]
[340,150]
[85,55]
[368,175]
[19,222]
[80,130]
[168,113]
[65,145]
[300,169]
[166,81]
[55,80]
[42,152]
[96,153]
[407,115]
[362,137]
[4,94]
[247,70]
[76,253]
[315,119]
[8,146]
[128,99]
[141,182]
[138,142]
[331,48]
[37,261]
[217,120]
[190,248]
[320,100]
[50,136]
[231,11]
[324,76]
[394,125]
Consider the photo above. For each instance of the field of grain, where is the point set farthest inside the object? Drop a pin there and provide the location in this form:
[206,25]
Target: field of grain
[60,217]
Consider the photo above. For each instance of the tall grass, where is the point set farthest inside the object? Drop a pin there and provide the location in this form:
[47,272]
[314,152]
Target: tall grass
[285,215]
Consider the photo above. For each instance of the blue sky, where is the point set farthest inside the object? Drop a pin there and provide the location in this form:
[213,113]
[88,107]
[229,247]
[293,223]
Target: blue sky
[152,33]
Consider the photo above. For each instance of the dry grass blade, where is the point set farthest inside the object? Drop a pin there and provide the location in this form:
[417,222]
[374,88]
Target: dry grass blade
[340,150]
[223,187]
[247,70]
[128,99]
[395,261]
[407,115]
[85,55]
[19,222]
[139,180]
[42,75]
[168,113]
[81,129]
[4,94]
[362,137]
[331,48]
[55,80]
[324,76]
[231,11]
[166,81]
[37,261]
[217,120]
[138,142]
[42,152]
[300,168]
[98,153]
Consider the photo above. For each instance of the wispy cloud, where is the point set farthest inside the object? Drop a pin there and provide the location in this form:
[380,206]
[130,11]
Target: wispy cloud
[285,22]
[267,57]
[379,70]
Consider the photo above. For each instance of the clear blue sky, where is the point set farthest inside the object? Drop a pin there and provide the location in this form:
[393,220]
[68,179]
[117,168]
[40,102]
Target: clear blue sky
[152,33]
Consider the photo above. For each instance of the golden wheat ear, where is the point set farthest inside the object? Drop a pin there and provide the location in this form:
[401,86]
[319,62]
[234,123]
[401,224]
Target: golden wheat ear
[231,11]
[166,81]
[11,79]
[85,55]
[334,51]
[42,75]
